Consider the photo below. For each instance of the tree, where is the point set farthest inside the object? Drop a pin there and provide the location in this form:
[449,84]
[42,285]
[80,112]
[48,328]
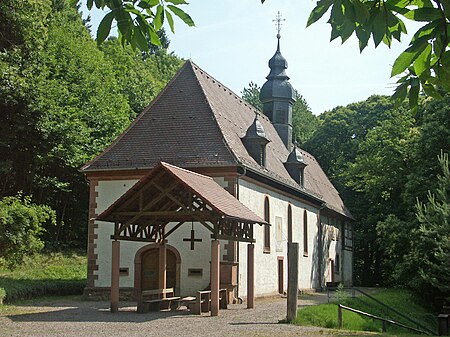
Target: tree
[430,253]
[139,22]
[140,78]
[424,64]
[251,95]
[363,149]
[62,101]
[21,223]
[304,122]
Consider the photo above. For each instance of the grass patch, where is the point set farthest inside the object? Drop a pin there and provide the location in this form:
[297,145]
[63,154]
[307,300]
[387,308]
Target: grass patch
[325,315]
[44,275]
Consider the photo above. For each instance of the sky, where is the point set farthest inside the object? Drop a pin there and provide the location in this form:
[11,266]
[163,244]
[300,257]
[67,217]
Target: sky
[234,39]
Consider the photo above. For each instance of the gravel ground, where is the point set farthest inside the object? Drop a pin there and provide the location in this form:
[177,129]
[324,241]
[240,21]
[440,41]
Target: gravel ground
[81,318]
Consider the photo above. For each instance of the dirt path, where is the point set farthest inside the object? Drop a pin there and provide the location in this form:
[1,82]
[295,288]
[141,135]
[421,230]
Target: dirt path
[80,318]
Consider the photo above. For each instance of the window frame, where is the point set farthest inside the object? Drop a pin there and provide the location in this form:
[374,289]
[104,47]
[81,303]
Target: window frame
[305,233]
[289,223]
[266,242]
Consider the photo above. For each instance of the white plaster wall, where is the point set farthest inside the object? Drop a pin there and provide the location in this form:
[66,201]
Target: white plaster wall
[266,268]
[200,257]
[347,264]
[108,192]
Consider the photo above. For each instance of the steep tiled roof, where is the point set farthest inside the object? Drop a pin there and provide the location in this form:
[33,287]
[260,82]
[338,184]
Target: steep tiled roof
[197,122]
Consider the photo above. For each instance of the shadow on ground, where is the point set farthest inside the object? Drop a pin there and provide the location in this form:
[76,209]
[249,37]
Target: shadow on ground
[94,312]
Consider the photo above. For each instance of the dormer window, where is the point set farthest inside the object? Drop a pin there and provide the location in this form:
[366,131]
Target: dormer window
[255,141]
[295,165]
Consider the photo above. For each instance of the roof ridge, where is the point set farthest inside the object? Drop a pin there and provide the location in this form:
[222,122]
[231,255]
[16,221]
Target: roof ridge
[136,120]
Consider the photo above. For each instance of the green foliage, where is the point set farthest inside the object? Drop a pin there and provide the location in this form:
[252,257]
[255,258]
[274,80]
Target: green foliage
[251,95]
[340,294]
[325,315]
[139,22]
[140,80]
[424,64]
[2,295]
[63,101]
[304,123]
[430,254]
[382,159]
[43,275]
[20,225]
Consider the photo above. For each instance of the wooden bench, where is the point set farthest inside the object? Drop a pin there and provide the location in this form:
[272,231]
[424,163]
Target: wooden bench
[203,301]
[156,299]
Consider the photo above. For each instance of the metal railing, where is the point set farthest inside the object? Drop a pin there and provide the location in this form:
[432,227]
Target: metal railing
[383,320]
[387,308]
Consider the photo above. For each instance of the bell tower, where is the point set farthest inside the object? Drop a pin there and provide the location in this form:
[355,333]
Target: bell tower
[277,94]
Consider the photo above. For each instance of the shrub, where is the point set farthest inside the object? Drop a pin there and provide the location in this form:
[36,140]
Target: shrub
[20,225]
[2,295]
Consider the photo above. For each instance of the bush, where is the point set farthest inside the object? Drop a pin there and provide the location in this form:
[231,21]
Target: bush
[2,295]
[20,225]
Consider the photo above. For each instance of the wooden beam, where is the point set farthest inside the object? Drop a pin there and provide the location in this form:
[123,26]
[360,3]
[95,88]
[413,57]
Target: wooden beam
[126,238]
[292,292]
[115,266]
[133,198]
[164,213]
[233,238]
[173,229]
[250,276]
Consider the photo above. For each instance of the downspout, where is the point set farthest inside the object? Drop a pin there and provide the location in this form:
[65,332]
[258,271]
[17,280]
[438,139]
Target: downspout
[319,247]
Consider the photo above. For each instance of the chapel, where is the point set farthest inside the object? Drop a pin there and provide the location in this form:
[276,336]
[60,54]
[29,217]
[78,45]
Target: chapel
[203,189]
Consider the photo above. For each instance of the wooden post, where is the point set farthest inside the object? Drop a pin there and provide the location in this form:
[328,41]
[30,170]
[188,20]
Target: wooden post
[292,292]
[383,326]
[115,263]
[215,277]
[339,316]
[250,276]
[162,267]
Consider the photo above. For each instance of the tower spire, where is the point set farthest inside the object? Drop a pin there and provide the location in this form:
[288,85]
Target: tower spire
[277,94]
[278,23]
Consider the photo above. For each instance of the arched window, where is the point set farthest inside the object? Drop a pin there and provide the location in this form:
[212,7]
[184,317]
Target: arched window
[266,227]
[289,223]
[305,233]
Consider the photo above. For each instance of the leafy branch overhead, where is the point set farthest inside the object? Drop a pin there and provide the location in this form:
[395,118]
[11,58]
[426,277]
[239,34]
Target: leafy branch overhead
[139,21]
[424,64]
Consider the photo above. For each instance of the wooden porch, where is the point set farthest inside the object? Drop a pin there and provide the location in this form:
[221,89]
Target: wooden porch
[169,194]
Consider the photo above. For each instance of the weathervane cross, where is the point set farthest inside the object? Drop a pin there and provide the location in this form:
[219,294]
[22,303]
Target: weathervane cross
[278,20]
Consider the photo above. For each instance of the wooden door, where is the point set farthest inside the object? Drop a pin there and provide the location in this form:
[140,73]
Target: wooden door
[150,270]
[331,270]
[280,275]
